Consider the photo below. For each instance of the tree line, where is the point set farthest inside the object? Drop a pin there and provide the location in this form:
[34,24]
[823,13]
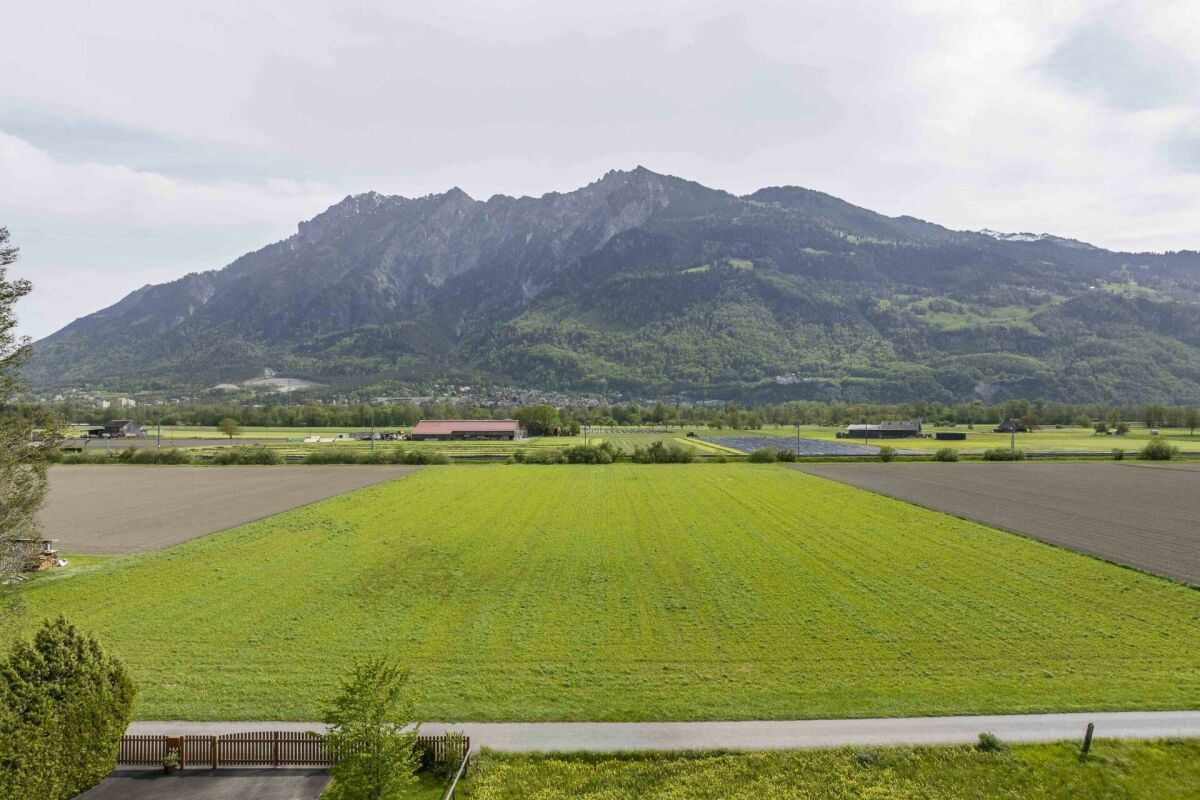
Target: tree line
[545,418]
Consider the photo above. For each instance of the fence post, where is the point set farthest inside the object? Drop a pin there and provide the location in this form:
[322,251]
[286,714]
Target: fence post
[1087,738]
[216,759]
[275,747]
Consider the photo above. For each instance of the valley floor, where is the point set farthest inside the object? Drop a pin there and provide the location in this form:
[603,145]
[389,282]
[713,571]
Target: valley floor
[634,592]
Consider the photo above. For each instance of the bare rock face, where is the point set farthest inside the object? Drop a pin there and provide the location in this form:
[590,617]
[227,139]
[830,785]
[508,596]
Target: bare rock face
[650,283]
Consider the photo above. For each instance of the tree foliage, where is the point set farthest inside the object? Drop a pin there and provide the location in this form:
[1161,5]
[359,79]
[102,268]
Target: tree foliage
[540,419]
[22,453]
[372,732]
[64,705]
[229,427]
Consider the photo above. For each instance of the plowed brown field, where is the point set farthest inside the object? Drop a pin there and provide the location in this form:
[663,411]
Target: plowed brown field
[1145,516]
[105,510]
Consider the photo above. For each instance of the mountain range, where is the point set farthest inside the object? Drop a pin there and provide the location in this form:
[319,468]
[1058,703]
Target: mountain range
[652,286]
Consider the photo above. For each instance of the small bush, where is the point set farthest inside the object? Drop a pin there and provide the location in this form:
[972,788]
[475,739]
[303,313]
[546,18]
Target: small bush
[1003,454]
[660,453]
[519,457]
[720,458]
[786,455]
[547,455]
[604,453]
[152,455]
[887,453]
[946,454]
[867,757]
[423,457]
[255,454]
[763,455]
[1158,449]
[330,455]
[990,743]
[1118,454]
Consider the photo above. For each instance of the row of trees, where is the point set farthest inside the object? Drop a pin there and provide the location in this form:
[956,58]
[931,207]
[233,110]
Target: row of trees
[545,418]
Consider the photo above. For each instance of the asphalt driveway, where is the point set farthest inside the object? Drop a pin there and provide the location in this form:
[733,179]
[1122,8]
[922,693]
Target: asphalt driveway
[211,784]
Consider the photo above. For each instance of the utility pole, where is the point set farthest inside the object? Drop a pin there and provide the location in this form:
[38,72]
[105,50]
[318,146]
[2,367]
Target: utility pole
[159,444]
[372,430]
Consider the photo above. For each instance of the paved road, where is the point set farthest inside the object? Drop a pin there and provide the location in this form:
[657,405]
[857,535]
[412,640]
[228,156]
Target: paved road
[201,784]
[764,735]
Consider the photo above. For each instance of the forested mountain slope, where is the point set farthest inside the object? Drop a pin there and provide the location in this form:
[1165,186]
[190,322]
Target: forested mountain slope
[651,285]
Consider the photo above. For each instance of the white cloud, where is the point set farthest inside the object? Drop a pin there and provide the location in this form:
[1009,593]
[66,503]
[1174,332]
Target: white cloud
[1075,118]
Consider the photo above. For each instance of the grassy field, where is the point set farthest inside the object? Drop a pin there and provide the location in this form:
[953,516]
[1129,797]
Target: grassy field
[1046,440]
[634,592]
[1165,770]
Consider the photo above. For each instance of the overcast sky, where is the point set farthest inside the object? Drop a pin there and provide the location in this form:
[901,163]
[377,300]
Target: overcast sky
[140,141]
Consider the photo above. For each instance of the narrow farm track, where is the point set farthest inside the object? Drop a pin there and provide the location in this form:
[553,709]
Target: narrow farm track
[759,734]
[1140,515]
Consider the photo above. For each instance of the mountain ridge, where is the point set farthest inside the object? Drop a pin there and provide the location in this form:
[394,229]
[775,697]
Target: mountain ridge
[653,284]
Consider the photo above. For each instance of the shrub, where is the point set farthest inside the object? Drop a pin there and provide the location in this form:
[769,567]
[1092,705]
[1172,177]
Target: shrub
[763,455]
[547,455]
[421,457]
[1158,449]
[256,454]
[370,717]
[887,453]
[1004,454]
[152,455]
[946,454]
[720,458]
[990,743]
[660,453]
[786,455]
[604,453]
[867,757]
[1118,454]
[330,455]
[64,705]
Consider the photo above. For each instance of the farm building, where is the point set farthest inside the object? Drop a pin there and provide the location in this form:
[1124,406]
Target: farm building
[118,429]
[467,429]
[885,430]
[1011,425]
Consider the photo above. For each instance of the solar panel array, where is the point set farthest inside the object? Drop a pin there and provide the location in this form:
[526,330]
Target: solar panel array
[801,447]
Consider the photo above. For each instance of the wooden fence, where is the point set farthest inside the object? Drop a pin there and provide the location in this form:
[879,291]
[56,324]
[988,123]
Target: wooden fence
[264,749]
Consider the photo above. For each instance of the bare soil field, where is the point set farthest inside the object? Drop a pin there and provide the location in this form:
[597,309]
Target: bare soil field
[1140,515]
[105,510]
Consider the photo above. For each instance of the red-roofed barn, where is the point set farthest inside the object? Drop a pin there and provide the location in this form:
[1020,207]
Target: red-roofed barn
[467,429]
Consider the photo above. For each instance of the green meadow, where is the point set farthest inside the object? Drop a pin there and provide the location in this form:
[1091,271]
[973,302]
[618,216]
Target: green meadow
[1166,770]
[633,592]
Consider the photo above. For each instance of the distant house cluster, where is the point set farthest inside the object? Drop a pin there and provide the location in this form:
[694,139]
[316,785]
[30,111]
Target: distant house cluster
[900,429]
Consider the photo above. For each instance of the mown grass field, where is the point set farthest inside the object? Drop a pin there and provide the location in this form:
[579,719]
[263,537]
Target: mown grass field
[634,592]
[1166,770]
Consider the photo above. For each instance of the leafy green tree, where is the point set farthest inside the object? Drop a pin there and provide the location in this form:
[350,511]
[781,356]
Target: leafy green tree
[24,443]
[539,420]
[372,732]
[64,705]
[229,427]
[1191,419]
